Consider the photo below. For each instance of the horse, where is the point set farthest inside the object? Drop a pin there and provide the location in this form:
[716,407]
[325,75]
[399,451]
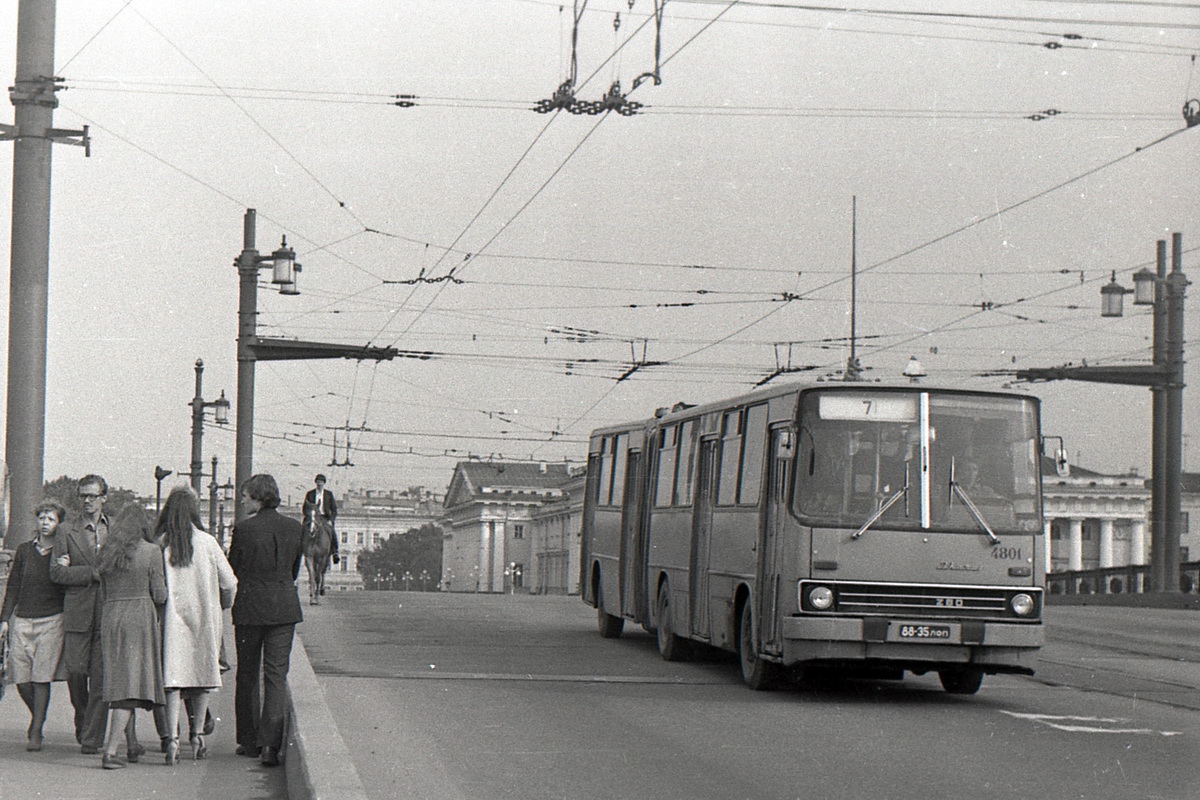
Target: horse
[318,542]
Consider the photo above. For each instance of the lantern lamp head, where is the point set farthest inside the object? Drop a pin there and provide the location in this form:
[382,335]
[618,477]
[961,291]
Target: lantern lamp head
[283,260]
[1112,298]
[1144,283]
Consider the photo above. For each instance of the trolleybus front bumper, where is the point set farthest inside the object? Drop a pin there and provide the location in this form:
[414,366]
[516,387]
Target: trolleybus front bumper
[992,646]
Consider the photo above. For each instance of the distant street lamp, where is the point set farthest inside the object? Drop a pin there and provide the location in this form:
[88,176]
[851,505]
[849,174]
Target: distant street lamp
[424,580]
[220,408]
[407,578]
[1164,376]
[160,474]
[224,498]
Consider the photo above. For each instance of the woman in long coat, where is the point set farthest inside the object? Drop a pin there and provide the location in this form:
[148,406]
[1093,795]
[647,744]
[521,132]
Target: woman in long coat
[197,576]
[132,584]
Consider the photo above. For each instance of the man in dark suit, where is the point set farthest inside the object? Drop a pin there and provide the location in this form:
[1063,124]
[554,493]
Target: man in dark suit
[320,502]
[75,565]
[265,554]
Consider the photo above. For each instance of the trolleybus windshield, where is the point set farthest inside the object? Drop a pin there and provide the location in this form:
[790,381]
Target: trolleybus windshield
[926,460]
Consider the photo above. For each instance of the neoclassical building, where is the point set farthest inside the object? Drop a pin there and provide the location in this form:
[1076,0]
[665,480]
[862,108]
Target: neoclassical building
[556,530]
[511,527]
[1095,521]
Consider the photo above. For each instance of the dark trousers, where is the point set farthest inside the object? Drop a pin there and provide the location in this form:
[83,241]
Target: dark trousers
[266,651]
[87,691]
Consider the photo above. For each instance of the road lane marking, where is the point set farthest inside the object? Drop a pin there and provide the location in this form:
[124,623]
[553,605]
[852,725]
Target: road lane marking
[1073,724]
[529,677]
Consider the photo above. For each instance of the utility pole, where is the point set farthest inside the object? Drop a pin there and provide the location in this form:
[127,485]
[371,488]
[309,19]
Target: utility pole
[220,408]
[33,134]
[1165,378]
[212,499]
[252,348]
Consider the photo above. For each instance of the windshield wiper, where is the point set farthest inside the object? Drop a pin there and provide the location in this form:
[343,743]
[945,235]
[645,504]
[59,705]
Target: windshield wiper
[891,501]
[975,513]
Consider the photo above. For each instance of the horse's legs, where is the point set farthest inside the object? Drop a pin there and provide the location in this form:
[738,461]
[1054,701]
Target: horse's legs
[312,595]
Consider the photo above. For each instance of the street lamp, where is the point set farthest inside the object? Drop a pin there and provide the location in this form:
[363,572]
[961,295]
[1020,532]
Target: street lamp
[252,348]
[220,408]
[159,475]
[225,496]
[1165,291]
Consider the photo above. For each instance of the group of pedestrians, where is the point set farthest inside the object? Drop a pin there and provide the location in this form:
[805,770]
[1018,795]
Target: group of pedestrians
[131,616]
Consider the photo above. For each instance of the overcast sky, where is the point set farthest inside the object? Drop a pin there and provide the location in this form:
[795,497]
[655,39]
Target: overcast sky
[1006,158]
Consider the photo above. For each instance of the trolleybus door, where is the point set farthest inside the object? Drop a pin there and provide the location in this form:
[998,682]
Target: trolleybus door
[706,477]
[633,552]
[774,521]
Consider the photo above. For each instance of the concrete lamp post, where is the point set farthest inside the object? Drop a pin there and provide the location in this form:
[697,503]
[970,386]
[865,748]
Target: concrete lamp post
[1165,292]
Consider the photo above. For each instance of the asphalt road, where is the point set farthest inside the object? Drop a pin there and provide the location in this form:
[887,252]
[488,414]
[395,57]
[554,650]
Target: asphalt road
[470,697]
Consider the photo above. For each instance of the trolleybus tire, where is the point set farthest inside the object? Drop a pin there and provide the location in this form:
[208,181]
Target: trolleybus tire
[758,674]
[960,680]
[610,626]
[670,646]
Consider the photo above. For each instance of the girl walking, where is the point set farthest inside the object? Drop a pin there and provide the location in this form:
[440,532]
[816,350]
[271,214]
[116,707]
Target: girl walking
[198,577]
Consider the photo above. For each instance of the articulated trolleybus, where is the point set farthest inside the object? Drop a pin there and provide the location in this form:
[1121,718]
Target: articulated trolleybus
[844,528]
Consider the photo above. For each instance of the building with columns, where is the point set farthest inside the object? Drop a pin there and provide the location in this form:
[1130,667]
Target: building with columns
[1095,521]
[490,515]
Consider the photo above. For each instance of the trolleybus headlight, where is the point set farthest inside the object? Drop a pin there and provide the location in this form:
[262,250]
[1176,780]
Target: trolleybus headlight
[1022,604]
[820,598]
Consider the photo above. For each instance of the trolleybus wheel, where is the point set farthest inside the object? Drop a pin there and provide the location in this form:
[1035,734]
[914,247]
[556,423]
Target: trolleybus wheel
[960,680]
[670,646]
[758,674]
[610,626]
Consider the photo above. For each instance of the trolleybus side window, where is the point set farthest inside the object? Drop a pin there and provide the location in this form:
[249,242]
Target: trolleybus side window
[667,451]
[604,487]
[687,462]
[755,439]
[731,457]
[620,460]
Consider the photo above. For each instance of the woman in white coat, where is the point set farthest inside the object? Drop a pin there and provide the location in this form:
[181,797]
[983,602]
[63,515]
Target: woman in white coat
[198,575]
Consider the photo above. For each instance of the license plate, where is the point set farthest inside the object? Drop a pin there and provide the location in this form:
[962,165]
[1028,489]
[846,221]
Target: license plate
[909,632]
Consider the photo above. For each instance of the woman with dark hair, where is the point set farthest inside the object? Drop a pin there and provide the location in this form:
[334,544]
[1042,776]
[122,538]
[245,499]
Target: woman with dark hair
[32,619]
[132,584]
[265,554]
[197,577]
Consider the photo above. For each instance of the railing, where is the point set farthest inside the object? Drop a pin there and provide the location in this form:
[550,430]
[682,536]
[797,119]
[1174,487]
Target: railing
[1132,579]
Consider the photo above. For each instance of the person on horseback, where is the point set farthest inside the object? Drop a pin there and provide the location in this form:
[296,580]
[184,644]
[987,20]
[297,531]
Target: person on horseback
[320,502]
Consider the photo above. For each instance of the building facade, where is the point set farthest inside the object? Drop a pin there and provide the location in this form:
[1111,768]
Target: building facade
[511,527]
[556,534]
[1097,521]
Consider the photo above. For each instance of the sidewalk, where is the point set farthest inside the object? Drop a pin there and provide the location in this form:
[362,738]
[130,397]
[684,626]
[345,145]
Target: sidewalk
[61,772]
